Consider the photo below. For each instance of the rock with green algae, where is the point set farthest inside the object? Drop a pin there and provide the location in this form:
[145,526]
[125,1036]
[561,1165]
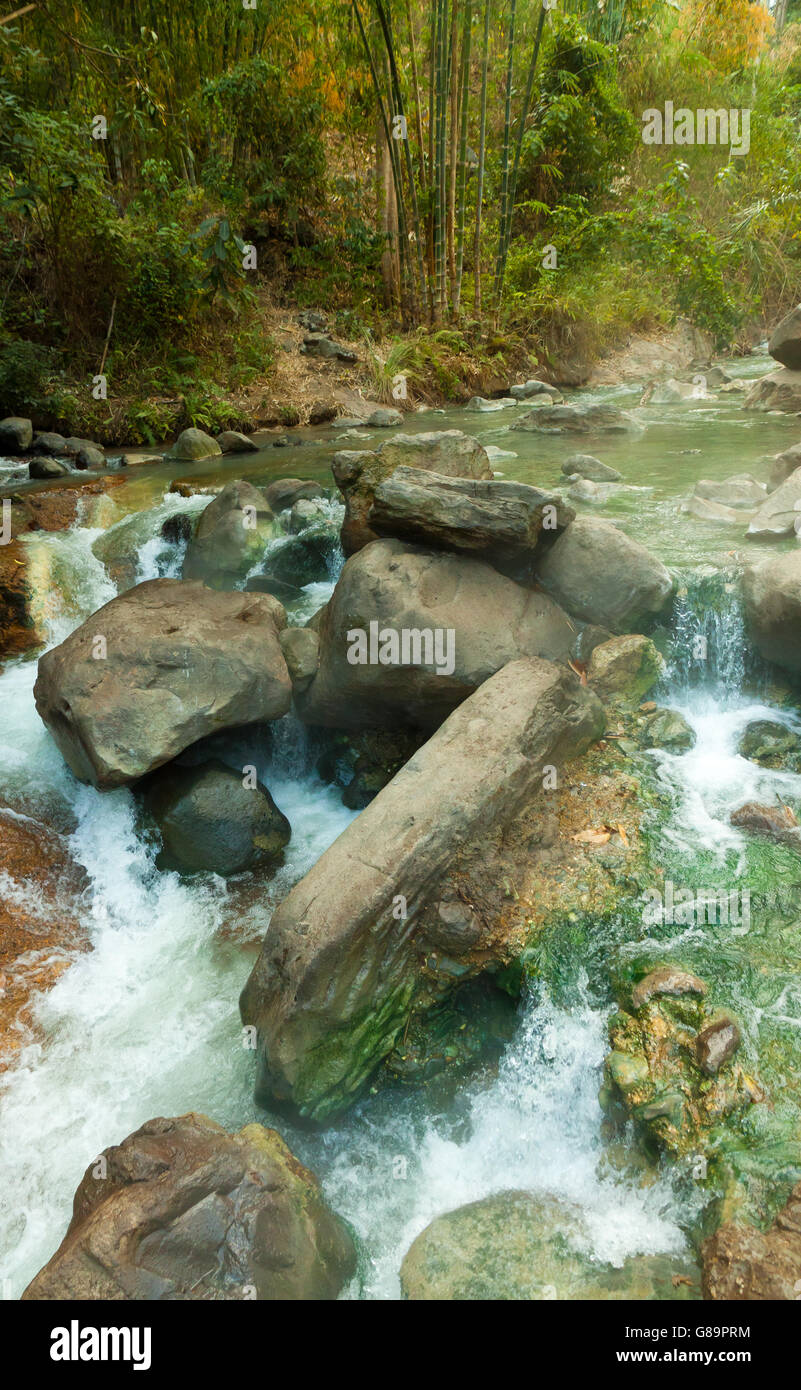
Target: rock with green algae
[521,1247]
[624,668]
[666,728]
[772,745]
[670,1068]
[743,1264]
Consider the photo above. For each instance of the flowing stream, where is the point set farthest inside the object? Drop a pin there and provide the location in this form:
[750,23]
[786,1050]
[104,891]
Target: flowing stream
[146,1022]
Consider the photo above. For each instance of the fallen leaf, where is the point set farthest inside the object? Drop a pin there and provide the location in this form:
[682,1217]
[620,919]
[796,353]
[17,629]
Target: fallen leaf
[580,670]
[592,837]
[621,832]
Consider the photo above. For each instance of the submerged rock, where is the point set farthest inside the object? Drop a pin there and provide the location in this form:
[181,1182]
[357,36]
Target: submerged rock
[194,444]
[230,537]
[521,1246]
[182,1209]
[600,574]
[155,670]
[410,632]
[586,466]
[743,1264]
[210,821]
[778,822]
[311,557]
[740,492]
[333,988]
[712,511]
[363,763]
[384,417]
[578,419]
[358,473]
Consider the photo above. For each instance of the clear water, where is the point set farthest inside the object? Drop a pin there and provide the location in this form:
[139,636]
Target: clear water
[146,1023]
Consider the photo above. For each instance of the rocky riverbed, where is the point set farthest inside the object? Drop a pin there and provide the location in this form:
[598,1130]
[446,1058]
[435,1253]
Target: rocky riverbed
[471,763]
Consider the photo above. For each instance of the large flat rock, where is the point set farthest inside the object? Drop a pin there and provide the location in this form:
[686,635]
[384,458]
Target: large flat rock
[334,983]
[156,669]
[601,575]
[778,514]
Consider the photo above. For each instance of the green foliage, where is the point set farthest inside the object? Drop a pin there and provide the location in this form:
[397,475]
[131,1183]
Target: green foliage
[25,370]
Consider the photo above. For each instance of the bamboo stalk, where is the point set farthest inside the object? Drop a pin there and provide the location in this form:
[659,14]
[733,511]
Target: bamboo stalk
[465,95]
[507,130]
[482,146]
[506,228]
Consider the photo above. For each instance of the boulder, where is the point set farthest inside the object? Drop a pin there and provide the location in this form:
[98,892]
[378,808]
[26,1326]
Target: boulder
[666,728]
[624,668]
[785,341]
[716,1044]
[285,492]
[772,602]
[578,419]
[178,527]
[45,467]
[712,511]
[177,661]
[320,345]
[90,456]
[311,557]
[783,465]
[301,648]
[779,390]
[211,821]
[771,745]
[333,987]
[19,631]
[670,392]
[384,418]
[740,492]
[358,473]
[321,412]
[666,980]
[593,494]
[232,442]
[779,514]
[601,575]
[744,1265]
[16,435]
[777,822]
[183,1210]
[230,537]
[522,1246]
[306,512]
[49,443]
[585,466]
[194,444]
[482,406]
[462,622]
[526,389]
[497,521]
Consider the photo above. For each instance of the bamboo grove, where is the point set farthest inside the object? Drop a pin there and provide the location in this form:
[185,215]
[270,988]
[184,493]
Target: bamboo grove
[428,108]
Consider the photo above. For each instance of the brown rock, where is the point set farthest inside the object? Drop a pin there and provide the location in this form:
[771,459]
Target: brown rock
[716,1044]
[183,1210]
[668,979]
[742,1264]
[776,821]
[18,631]
[285,492]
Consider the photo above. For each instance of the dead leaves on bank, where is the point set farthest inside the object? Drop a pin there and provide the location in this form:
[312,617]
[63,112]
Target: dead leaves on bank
[600,836]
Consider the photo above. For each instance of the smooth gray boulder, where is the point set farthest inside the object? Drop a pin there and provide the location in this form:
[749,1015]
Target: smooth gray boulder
[410,632]
[497,521]
[156,669]
[357,473]
[230,537]
[194,444]
[600,574]
[783,465]
[301,648]
[234,442]
[779,512]
[47,442]
[285,492]
[43,467]
[16,435]
[333,987]
[772,600]
[585,466]
[785,340]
